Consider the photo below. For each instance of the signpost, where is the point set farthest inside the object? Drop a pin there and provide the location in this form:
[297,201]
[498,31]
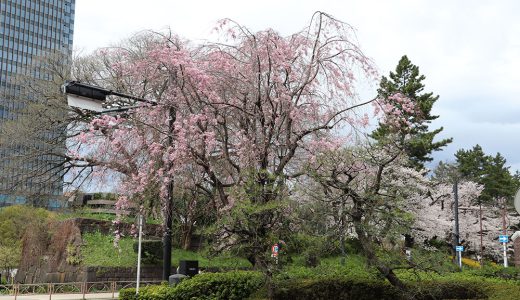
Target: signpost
[459,250]
[504,239]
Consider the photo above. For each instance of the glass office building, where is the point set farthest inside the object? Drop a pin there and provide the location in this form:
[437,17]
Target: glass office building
[29,29]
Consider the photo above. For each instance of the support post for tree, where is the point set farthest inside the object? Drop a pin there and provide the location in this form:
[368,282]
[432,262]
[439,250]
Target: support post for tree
[168,209]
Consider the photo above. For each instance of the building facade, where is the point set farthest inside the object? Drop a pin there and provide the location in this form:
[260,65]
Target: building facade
[29,30]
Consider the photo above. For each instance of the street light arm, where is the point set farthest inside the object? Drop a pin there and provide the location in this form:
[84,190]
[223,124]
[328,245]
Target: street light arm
[96,92]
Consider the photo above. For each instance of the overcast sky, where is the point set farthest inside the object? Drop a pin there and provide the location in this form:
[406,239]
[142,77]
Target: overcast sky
[468,50]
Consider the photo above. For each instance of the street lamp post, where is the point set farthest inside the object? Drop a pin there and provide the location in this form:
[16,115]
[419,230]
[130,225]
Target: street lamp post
[92,98]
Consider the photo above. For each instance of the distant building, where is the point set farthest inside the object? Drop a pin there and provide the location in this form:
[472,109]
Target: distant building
[30,29]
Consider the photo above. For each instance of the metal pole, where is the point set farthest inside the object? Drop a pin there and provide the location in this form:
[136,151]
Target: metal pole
[481,234]
[505,255]
[168,209]
[139,254]
[504,230]
[456,217]
[460,259]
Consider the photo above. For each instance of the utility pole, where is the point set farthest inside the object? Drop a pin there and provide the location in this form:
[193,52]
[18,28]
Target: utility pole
[504,230]
[481,234]
[456,217]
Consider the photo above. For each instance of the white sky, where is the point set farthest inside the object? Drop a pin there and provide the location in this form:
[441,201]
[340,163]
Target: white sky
[468,50]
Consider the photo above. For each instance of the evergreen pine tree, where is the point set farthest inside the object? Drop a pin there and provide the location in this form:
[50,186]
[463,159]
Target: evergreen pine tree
[418,142]
[472,163]
[489,171]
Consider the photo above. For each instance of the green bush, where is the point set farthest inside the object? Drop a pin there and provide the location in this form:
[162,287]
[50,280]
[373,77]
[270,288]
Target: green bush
[502,291]
[151,251]
[128,294]
[330,288]
[229,285]
[152,292]
[243,284]
[498,272]
[311,259]
[432,290]
[365,289]
[322,246]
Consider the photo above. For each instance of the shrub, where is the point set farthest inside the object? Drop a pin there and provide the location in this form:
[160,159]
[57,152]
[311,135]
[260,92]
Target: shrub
[502,291]
[322,246]
[151,292]
[431,290]
[311,259]
[331,288]
[365,289]
[128,294]
[506,273]
[229,285]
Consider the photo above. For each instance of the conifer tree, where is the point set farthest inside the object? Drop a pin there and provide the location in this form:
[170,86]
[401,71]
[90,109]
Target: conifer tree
[489,171]
[418,140]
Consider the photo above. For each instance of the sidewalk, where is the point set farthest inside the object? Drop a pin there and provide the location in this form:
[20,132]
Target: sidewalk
[62,296]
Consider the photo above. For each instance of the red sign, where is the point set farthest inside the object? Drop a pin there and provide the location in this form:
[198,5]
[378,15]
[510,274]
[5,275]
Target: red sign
[274,250]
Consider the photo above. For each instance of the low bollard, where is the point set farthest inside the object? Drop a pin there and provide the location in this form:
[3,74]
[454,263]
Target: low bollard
[175,279]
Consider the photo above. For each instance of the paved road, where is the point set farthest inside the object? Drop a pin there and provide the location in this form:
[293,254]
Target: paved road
[62,297]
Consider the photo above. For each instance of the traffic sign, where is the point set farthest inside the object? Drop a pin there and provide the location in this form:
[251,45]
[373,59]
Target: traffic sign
[459,248]
[274,250]
[503,238]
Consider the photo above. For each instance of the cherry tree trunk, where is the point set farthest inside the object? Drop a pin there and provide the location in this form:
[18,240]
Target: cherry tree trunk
[370,253]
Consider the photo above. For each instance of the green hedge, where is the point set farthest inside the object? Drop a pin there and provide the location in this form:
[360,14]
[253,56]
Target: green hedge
[432,290]
[366,289]
[331,288]
[229,285]
[242,284]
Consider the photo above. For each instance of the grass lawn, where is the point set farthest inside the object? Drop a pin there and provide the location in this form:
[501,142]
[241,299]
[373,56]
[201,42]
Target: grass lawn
[99,250]
[87,213]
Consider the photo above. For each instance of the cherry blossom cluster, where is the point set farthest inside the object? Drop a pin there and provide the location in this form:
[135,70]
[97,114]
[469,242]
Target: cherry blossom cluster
[397,111]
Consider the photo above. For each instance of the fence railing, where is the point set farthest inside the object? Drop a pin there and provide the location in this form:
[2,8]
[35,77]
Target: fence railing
[84,288]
